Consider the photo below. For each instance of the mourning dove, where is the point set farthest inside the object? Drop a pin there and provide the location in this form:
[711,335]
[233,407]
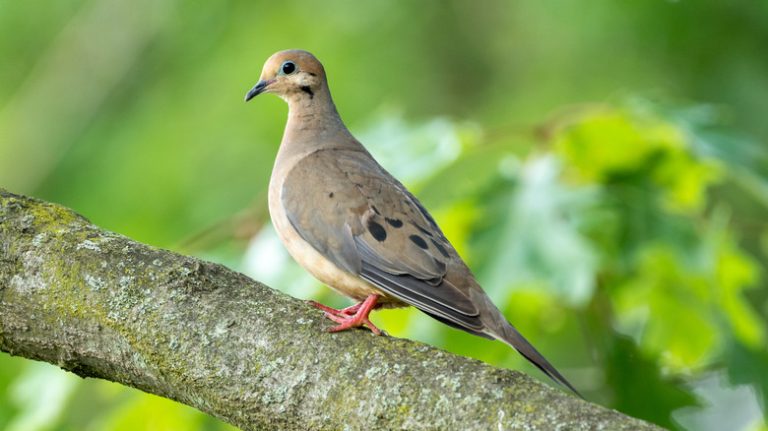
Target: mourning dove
[356,228]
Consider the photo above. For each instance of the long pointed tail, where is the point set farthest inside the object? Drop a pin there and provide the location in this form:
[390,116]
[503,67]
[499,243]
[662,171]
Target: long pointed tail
[511,336]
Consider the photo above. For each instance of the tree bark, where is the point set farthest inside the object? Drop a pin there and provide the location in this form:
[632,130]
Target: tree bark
[101,305]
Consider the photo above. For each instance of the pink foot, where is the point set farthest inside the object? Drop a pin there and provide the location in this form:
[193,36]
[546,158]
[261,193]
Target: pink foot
[351,317]
[343,312]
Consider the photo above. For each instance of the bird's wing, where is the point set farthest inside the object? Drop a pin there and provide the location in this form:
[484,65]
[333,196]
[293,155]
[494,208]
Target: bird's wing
[362,219]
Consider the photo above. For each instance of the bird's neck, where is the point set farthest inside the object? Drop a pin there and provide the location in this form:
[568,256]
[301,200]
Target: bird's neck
[313,122]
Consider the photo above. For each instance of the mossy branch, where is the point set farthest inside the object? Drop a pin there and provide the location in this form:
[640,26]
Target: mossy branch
[101,305]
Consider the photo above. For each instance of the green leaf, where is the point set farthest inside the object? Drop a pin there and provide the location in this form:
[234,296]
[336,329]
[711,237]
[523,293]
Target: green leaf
[749,366]
[639,388]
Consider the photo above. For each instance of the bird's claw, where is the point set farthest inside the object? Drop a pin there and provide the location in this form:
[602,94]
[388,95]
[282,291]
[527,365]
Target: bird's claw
[351,317]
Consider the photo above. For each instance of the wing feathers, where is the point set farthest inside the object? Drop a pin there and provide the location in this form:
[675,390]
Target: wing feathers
[450,303]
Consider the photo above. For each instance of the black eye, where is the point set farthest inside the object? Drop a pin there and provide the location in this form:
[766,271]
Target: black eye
[288,67]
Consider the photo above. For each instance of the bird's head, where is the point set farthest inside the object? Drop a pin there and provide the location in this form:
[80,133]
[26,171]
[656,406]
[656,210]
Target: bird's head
[290,74]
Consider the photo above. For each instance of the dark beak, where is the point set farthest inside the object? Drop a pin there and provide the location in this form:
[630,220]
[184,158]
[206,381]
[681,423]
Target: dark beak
[260,87]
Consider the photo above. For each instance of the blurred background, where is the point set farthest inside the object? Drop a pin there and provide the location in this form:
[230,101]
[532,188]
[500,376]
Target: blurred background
[602,167]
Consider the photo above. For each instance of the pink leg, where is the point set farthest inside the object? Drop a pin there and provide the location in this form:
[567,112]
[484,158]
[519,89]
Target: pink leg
[343,312]
[352,317]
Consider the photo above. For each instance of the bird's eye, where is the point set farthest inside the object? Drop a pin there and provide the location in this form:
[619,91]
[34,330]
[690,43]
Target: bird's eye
[288,67]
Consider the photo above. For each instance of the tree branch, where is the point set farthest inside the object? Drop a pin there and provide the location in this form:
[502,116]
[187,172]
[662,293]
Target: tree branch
[101,305]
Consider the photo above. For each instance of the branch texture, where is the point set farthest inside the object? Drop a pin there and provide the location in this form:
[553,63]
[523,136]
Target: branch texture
[101,305]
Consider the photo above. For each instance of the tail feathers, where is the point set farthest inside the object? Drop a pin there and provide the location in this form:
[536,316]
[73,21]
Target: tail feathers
[511,336]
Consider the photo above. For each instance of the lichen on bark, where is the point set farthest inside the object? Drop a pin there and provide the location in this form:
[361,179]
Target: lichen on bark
[101,305]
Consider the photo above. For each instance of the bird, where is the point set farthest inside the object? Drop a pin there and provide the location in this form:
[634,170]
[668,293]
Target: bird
[357,229]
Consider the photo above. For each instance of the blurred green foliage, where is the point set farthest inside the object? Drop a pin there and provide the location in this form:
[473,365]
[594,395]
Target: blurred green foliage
[601,166]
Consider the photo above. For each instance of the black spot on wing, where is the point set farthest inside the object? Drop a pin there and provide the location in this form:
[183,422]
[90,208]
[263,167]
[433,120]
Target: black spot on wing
[422,230]
[440,248]
[330,195]
[394,222]
[419,241]
[377,231]
[425,214]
